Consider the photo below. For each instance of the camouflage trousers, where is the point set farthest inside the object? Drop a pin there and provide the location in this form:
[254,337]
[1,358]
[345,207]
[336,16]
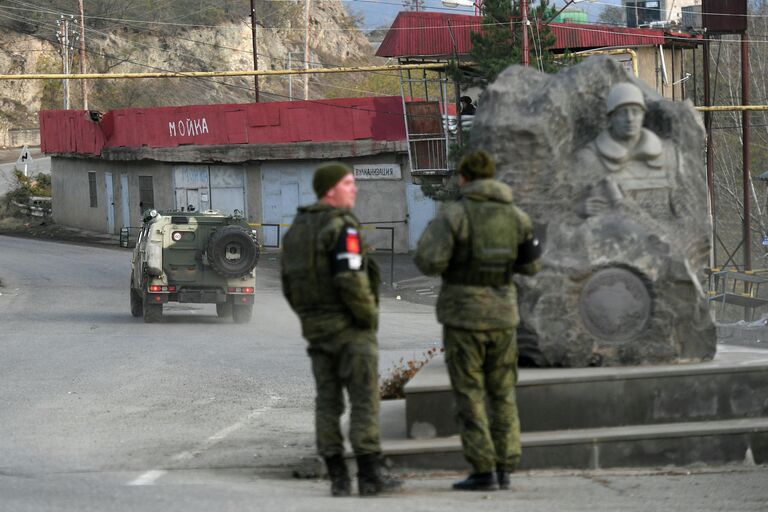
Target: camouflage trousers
[483,369]
[349,360]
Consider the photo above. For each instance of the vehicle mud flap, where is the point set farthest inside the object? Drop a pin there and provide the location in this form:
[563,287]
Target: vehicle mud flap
[232,252]
[224,309]
[153,313]
[137,306]
[242,313]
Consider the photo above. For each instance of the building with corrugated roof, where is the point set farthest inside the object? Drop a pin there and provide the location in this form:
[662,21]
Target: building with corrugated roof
[657,55]
[256,158]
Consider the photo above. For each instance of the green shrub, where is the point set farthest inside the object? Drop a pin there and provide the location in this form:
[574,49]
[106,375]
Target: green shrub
[28,186]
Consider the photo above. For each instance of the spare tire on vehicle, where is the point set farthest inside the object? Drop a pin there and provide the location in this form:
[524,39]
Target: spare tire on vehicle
[232,252]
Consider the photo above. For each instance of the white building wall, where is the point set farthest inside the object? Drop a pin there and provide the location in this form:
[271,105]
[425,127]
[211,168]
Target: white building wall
[382,203]
[268,192]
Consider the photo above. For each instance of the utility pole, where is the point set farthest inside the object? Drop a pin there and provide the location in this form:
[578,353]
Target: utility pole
[746,185]
[710,155]
[64,38]
[290,81]
[65,57]
[83,82]
[255,51]
[306,49]
[524,14]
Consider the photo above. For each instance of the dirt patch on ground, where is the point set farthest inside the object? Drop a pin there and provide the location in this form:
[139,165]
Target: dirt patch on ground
[31,227]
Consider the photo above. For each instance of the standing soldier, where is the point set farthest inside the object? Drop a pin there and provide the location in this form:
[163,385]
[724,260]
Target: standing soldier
[332,285]
[476,244]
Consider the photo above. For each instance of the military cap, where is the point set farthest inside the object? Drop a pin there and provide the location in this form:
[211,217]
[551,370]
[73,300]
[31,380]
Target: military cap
[477,165]
[327,176]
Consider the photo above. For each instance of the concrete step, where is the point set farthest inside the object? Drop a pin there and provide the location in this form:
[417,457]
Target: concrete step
[733,386]
[679,444]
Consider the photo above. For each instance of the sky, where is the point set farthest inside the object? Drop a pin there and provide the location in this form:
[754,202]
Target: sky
[378,13]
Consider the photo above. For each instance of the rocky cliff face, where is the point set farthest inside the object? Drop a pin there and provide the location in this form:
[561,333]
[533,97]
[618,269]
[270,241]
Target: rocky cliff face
[334,41]
[20,99]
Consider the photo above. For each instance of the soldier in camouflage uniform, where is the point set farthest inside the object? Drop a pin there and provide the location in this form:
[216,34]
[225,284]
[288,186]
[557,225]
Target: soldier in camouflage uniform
[332,285]
[476,244]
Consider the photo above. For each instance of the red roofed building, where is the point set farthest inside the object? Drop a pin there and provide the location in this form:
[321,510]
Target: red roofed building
[438,37]
[258,158]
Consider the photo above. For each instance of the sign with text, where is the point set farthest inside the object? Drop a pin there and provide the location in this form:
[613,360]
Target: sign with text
[377,172]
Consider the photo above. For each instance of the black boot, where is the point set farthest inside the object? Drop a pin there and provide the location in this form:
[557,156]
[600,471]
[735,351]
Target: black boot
[370,481]
[337,472]
[476,482]
[502,475]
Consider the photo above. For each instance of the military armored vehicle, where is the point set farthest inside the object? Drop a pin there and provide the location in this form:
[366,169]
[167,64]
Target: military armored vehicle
[198,257]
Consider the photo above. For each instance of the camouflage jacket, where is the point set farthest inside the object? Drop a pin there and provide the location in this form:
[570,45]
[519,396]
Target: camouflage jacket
[448,235]
[325,272]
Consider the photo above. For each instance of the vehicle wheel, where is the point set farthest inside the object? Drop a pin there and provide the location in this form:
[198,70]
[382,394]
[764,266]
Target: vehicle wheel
[224,309]
[231,251]
[242,314]
[137,307]
[153,313]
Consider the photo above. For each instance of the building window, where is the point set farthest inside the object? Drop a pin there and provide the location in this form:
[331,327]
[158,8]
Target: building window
[146,194]
[92,188]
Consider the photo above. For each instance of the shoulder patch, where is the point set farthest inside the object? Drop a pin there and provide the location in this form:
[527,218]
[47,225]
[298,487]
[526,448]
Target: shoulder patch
[347,255]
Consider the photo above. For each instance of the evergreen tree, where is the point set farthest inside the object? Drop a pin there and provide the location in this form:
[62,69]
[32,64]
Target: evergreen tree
[496,46]
[498,43]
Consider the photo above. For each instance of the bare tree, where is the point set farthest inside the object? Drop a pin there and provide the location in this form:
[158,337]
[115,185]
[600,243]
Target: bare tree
[613,15]
[413,5]
[728,143]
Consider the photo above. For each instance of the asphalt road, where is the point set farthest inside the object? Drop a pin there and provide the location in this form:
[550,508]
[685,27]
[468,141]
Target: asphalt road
[99,411]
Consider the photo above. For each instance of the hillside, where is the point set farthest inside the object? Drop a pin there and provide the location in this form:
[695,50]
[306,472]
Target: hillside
[227,45]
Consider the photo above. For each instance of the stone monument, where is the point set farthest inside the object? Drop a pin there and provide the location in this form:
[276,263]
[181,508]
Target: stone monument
[613,176]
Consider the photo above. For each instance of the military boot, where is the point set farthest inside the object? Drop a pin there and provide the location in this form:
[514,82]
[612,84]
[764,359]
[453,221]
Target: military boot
[337,472]
[370,481]
[477,482]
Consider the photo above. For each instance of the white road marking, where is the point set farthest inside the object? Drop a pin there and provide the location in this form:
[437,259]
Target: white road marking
[148,478]
[151,476]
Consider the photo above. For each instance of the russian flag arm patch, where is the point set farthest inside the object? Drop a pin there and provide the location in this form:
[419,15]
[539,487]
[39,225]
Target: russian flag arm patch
[347,255]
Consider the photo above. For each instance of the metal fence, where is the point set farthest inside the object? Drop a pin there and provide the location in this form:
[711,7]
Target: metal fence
[35,206]
[390,250]
[128,236]
[366,225]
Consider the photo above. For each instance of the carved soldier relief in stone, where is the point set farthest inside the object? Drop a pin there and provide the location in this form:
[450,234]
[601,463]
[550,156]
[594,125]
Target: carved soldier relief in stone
[636,164]
[614,180]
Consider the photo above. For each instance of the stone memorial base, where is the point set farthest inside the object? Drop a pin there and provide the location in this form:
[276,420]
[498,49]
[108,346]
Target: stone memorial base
[589,418]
